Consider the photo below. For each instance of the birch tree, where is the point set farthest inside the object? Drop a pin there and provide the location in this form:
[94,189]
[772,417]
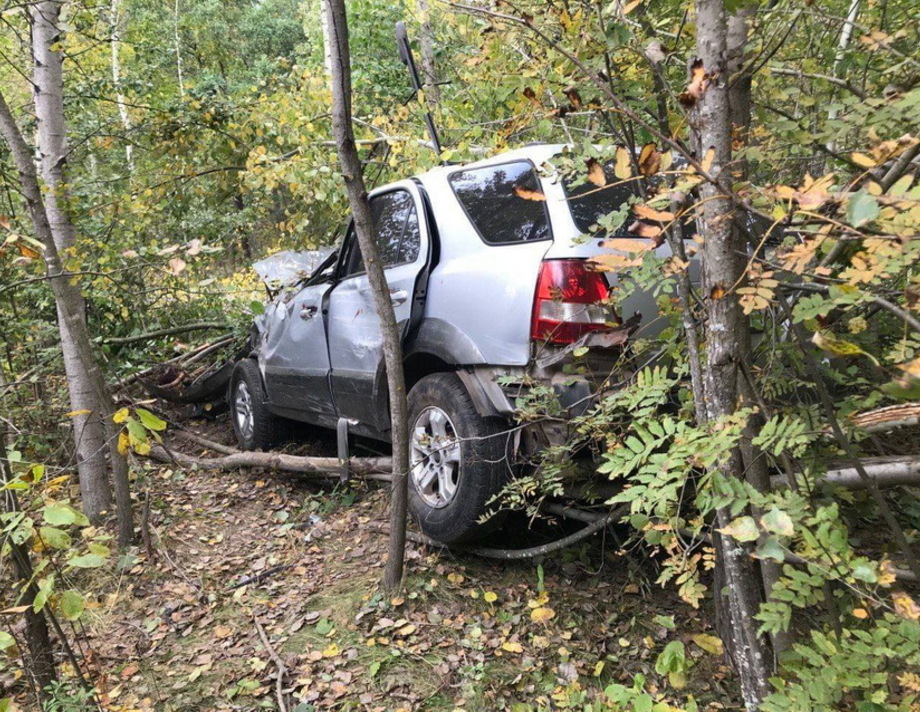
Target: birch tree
[48,91]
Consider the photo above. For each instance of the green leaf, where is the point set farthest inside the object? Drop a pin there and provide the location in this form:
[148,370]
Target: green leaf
[778,522]
[45,587]
[741,529]
[771,549]
[87,561]
[72,605]
[55,538]
[672,659]
[150,421]
[60,514]
[374,668]
[6,640]
[862,208]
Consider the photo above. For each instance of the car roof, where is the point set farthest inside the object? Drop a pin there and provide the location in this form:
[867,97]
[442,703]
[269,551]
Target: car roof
[537,153]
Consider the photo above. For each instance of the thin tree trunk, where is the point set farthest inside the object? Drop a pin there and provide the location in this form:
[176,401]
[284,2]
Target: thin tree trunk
[116,81]
[89,434]
[71,322]
[739,100]
[177,45]
[39,661]
[426,42]
[722,266]
[845,34]
[337,41]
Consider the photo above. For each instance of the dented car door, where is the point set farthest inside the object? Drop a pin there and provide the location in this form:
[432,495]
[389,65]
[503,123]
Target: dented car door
[355,338]
[295,358]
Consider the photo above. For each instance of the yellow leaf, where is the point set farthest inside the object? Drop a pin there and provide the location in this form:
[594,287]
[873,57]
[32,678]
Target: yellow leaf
[631,6]
[121,416]
[406,630]
[542,614]
[622,168]
[490,597]
[862,160]
[599,668]
[596,173]
[75,413]
[124,442]
[331,651]
[528,194]
[860,613]
[710,643]
[710,156]
[905,606]
[455,578]
[512,647]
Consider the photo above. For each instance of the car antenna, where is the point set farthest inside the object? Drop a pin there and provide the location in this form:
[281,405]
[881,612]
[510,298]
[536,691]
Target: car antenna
[405,54]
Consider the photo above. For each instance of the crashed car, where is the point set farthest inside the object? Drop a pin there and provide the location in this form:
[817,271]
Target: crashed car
[489,276]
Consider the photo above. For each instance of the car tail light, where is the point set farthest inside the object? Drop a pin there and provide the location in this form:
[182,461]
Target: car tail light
[565,306]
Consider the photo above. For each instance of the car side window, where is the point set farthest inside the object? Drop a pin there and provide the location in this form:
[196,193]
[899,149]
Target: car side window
[397,228]
[503,202]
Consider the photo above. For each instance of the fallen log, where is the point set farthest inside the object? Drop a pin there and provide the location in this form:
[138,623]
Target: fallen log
[369,468]
[885,471]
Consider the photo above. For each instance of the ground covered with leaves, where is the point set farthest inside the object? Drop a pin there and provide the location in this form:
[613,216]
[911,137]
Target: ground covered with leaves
[254,575]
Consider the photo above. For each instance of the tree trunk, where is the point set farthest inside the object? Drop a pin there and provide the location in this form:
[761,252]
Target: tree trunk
[39,659]
[722,266]
[116,81]
[337,41]
[89,433]
[72,325]
[426,41]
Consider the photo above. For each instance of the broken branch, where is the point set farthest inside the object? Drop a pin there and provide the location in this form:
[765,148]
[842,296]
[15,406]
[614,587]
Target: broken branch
[371,468]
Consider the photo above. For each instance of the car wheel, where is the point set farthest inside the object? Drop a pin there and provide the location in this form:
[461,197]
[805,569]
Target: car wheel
[254,426]
[456,458]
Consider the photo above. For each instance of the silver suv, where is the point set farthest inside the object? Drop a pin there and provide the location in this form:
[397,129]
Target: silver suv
[488,269]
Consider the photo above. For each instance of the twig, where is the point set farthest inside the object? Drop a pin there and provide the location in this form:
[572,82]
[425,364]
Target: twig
[518,554]
[282,669]
[246,580]
[169,331]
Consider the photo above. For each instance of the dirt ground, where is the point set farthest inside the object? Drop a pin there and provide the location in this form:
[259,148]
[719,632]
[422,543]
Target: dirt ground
[254,576]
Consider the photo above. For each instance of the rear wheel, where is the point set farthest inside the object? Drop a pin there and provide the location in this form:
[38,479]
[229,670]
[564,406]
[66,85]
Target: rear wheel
[456,460]
[254,426]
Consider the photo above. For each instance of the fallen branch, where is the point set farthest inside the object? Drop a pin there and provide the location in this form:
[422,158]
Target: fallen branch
[246,580]
[883,471]
[518,554]
[279,663]
[370,468]
[169,331]
[204,442]
[887,418]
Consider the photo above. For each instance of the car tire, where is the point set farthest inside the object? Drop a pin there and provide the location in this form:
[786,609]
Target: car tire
[451,486]
[255,427]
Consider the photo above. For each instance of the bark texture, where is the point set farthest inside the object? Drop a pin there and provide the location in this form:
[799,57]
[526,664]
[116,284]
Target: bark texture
[337,41]
[39,656]
[426,42]
[72,325]
[723,264]
[48,82]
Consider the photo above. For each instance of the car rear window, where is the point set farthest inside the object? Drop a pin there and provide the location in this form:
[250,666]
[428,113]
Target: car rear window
[589,203]
[495,199]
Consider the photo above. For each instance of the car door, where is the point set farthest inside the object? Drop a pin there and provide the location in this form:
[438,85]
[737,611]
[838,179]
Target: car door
[295,357]
[355,338]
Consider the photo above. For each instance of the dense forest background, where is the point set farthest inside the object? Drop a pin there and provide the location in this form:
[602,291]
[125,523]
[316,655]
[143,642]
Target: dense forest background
[198,139]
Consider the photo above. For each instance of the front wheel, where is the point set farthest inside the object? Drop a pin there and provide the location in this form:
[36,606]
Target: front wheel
[456,458]
[255,427]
